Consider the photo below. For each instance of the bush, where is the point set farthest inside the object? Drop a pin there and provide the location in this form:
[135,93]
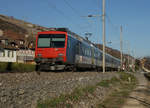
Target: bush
[125,77]
[16,67]
[3,67]
[104,83]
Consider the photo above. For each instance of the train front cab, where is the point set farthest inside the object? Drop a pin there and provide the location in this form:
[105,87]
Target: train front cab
[50,51]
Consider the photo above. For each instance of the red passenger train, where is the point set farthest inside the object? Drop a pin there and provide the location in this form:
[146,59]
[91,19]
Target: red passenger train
[61,49]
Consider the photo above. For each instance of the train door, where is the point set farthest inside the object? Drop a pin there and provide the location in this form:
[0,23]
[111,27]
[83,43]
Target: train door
[93,61]
[70,50]
[78,56]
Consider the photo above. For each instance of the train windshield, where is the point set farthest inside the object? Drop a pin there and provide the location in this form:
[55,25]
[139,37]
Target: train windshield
[51,41]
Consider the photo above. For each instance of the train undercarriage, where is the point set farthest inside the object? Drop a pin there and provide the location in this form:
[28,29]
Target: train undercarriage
[59,66]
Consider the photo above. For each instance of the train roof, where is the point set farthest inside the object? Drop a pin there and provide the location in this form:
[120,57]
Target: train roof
[71,33]
[80,39]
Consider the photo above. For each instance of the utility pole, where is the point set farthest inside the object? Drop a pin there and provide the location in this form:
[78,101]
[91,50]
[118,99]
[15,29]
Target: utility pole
[103,18]
[121,53]
[128,56]
[133,61]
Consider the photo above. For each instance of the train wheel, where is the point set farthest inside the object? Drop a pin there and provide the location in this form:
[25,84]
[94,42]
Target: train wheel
[96,69]
[74,69]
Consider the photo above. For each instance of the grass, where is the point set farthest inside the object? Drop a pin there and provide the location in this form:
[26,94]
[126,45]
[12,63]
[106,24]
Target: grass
[53,103]
[75,96]
[116,99]
[119,95]
[113,101]
[104,83]
[16,67]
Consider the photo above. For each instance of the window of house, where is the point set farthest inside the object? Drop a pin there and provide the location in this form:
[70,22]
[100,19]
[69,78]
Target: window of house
[21,42]
[1,53]
[8,54]
[3,41]
[4,54]
[12,53]
[6,42]
[69,44]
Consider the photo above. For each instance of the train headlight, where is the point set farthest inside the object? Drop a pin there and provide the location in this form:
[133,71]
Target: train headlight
[39,55]
[60,54]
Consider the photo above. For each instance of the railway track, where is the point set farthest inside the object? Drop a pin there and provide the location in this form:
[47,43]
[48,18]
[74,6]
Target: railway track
[25,89]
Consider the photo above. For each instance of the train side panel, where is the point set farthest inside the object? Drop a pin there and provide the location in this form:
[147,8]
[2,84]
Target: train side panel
[71,50]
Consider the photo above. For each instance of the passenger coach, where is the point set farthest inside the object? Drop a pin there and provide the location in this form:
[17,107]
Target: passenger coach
[61,49]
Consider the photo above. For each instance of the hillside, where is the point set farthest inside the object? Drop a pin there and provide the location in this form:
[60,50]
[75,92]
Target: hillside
[147,62]
[19,26]
[14,29]
[110,51]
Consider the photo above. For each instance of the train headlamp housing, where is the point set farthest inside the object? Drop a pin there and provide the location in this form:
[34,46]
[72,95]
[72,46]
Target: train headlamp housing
[60,54]
[39,55]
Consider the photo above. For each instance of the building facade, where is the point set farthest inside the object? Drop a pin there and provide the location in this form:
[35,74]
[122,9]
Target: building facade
[8,55]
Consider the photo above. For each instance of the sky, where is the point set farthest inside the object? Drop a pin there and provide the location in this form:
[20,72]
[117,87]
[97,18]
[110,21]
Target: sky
[133,15]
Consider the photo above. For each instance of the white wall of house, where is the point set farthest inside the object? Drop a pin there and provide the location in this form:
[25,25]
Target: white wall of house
[8,56]
[20,56]
[25,56]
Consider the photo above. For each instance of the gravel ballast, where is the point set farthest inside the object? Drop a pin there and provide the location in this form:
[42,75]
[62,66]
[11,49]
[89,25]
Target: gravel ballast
[23,90]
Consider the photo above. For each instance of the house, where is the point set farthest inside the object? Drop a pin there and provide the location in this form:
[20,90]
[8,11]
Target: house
[16,50]
[8,55]
[25,56]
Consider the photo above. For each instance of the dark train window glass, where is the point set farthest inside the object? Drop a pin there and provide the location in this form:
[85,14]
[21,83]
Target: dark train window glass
[69,44]
[78,50]
[90,52]
[58,42]
[51,41]
[86,50]
[83,50]
[58,39]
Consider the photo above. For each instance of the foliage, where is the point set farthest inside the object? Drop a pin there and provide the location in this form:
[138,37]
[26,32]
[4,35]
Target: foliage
[104,83]
[80,93]
[3,67]
[16,67]
[117,98]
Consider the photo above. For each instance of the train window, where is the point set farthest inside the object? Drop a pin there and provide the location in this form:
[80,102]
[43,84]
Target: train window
[69,44]
[90,52]
[58,42]
[44,42]
[58,39]
[96,54]
[106,58]
[78,50]
[87,52]
[51,40]
[83,50]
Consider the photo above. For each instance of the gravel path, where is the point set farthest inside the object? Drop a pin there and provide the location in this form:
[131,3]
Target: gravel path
[140,97]
[23,90]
